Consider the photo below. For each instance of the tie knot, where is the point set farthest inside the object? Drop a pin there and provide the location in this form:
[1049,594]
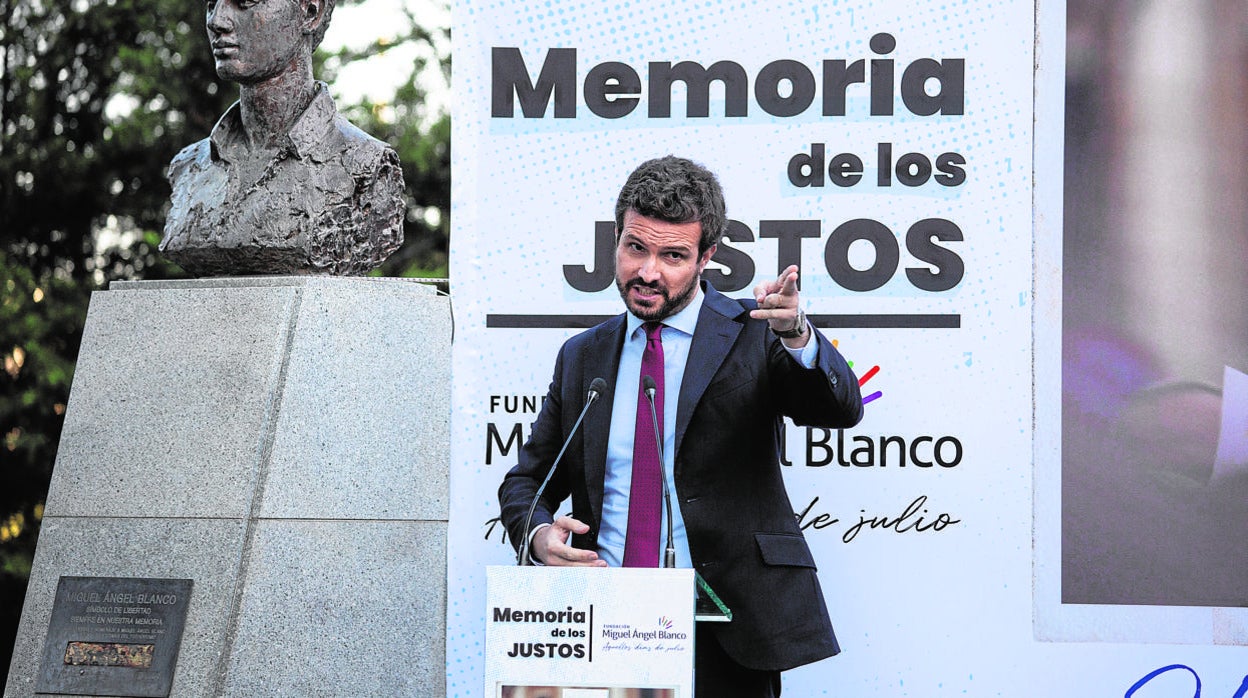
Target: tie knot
[653,331]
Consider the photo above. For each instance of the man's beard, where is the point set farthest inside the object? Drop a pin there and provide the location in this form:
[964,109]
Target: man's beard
[670,305]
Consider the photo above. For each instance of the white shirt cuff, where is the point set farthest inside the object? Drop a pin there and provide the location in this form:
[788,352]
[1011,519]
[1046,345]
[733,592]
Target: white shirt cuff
[807,355]
[533,534]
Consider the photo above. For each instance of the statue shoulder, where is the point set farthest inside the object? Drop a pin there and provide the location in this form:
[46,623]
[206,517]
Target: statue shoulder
[364,152]
[197,152]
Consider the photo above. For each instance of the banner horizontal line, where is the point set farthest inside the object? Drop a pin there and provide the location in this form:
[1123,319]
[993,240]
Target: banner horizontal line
[911,321]
[906,321]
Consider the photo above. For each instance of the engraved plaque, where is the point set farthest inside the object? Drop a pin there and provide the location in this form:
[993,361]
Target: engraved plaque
[114,636]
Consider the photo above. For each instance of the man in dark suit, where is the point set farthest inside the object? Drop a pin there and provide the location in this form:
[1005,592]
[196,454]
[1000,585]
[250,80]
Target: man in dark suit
[727,372]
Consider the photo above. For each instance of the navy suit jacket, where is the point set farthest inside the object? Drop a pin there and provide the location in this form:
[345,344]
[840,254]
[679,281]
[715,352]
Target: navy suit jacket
[743,535]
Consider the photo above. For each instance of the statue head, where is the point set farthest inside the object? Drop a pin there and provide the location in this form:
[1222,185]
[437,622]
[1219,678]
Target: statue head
[258,40]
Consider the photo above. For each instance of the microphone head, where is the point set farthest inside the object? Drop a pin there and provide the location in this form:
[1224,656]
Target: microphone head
[597,387]
[648,384]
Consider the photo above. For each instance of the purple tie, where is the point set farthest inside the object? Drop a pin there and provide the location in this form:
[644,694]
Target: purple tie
[645,495]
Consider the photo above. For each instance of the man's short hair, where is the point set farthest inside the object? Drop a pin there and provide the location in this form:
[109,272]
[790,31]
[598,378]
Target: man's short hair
[675,190]
[320,31]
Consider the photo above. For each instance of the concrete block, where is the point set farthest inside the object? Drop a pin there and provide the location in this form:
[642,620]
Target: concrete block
[364,426]
[334,608]
[206,551]
[282,442]
[168,411]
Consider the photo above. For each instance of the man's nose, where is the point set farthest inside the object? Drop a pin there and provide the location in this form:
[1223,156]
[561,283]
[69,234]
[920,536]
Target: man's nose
[649,271]
[219,19]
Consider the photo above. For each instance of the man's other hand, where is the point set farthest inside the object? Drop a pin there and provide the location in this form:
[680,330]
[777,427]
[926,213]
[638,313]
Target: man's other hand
[550,545]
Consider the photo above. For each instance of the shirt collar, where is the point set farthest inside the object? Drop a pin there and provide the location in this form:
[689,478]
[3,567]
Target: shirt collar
[685,320]
[304,139]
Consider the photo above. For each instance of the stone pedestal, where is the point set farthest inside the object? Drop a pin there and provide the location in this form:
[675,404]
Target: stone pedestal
[284,443]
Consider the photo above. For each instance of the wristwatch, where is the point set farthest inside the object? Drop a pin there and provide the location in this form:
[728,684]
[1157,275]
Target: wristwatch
[798,330]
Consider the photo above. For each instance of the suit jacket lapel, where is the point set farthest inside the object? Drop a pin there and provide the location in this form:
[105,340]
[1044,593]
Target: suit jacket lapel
[602,359]
[713,338]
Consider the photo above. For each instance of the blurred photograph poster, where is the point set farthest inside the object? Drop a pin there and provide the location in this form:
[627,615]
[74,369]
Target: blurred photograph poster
[1140,377]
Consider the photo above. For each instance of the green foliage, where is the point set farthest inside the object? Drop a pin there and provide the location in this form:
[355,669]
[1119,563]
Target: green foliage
[422,139]
[96,96]
[41,318]
[40,326]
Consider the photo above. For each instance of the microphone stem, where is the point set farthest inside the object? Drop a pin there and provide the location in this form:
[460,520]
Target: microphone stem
[524,554]
[669,553]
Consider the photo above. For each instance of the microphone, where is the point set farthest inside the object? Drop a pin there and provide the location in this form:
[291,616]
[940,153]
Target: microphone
[669,553]
[596,388]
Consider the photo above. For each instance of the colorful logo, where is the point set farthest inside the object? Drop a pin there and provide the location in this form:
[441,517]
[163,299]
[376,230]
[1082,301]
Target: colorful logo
[665,623]
[865,377]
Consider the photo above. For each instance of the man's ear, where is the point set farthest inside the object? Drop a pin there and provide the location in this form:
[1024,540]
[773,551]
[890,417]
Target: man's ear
[313,14]
[706,257]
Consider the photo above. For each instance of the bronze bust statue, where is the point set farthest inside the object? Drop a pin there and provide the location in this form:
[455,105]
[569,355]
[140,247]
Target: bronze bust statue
[284,184]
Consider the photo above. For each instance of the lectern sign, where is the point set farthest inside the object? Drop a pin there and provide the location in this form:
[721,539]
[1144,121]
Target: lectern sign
[112,636]
[584,631]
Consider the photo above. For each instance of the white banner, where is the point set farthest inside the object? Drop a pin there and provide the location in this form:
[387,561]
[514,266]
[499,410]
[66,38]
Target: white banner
[600,632]
[886,147]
